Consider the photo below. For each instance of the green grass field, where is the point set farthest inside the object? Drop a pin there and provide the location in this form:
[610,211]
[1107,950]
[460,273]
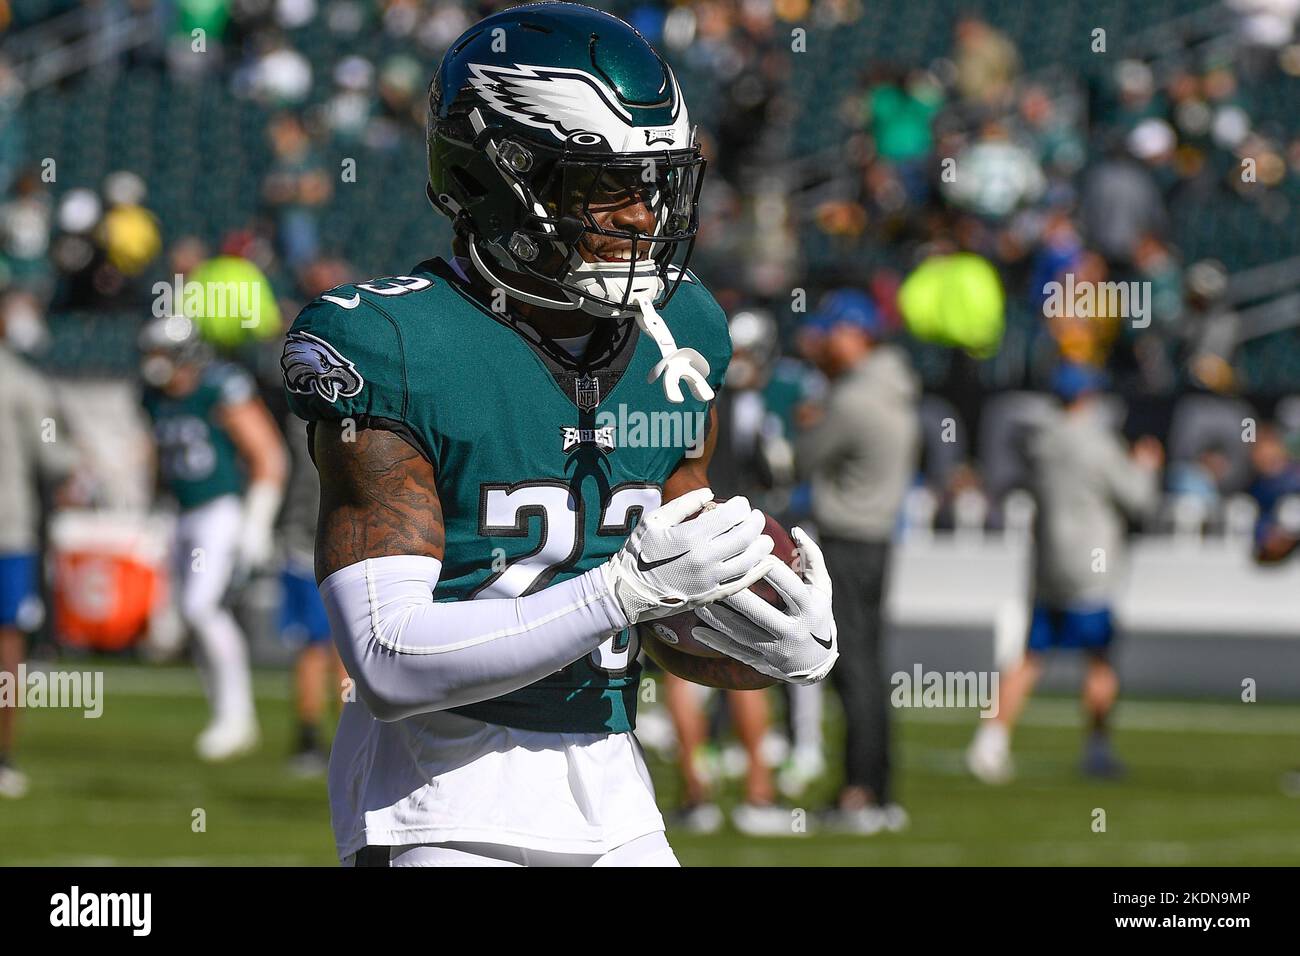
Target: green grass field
[1203,789]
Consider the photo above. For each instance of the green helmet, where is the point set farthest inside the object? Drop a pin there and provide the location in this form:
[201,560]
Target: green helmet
[539,110]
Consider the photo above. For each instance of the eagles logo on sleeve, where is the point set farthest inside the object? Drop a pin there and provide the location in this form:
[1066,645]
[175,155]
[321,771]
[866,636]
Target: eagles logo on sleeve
[311,364]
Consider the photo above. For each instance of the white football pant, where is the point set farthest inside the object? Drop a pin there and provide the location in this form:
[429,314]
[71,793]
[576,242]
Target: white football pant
[206,539]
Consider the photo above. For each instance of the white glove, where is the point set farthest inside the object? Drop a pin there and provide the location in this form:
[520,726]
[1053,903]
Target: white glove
[256,544]
[668,564]
[798,645]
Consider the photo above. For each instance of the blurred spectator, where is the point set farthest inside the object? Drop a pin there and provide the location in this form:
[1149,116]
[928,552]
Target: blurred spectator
[1120,203]
[861,456]
[1276,489]
[445,21]
[750,73]
[899,109]
[1265,27]
[279,75]
[73,251]
[987,63]
[348,111]
[323,274]
[1157,263]
[11,125]
[34,448]
[1200,479]
[88,278]
[995,176]
[186,254]
[129,232]
[23,320]
[1060,249]
[1085,335]
[401,85]
[1055,141]
[296,186]
[1138,101]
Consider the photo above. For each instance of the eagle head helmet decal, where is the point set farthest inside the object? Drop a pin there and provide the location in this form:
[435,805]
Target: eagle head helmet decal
[573,104]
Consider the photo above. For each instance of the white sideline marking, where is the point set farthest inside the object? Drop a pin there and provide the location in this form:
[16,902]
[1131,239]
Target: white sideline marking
[135,681]
[1210,717]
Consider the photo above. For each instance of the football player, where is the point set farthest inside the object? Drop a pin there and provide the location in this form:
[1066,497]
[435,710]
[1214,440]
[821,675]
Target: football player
[491,529]
[1087,486]
[221,457]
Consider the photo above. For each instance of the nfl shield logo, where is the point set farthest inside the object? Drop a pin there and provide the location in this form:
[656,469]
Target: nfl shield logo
[587,393]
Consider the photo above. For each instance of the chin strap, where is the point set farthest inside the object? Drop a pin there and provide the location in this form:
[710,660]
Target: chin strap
[677,364]
[481,265]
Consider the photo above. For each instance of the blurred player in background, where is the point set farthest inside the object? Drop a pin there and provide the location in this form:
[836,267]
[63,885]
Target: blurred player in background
[753,458]
[1086,486]
[861,454]
[221,458]
[33,448]
[302,614]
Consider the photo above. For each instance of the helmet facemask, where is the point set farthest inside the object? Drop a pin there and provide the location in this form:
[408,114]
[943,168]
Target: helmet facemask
[563,194]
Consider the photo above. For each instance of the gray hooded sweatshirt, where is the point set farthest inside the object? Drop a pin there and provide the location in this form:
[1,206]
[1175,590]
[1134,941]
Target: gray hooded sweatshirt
[1085,485]
[863,454]
[34,446]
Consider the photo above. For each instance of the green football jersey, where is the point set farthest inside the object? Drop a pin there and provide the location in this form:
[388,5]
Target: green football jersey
[543,463]
[197,461]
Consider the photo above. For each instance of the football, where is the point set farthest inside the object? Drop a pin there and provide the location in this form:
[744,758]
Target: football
[675,631]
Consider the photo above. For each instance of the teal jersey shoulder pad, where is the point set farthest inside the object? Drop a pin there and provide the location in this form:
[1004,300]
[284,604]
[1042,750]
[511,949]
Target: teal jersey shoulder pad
[346,355]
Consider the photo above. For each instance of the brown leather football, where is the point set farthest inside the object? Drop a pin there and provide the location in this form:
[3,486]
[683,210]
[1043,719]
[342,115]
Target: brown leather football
[675,630]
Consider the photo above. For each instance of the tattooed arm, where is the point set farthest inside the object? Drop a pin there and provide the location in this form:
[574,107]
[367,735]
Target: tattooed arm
[692,473]
[378,497]
[379,552]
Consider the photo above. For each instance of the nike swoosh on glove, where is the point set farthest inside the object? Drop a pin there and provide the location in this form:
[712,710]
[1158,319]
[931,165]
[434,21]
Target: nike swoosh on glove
[669,564]
[798,645]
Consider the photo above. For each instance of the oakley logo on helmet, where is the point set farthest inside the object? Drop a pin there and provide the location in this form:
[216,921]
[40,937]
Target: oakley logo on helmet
[311,365]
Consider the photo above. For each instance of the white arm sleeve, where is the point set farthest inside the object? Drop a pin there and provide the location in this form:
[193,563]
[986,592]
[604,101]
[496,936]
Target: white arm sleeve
[410,655]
